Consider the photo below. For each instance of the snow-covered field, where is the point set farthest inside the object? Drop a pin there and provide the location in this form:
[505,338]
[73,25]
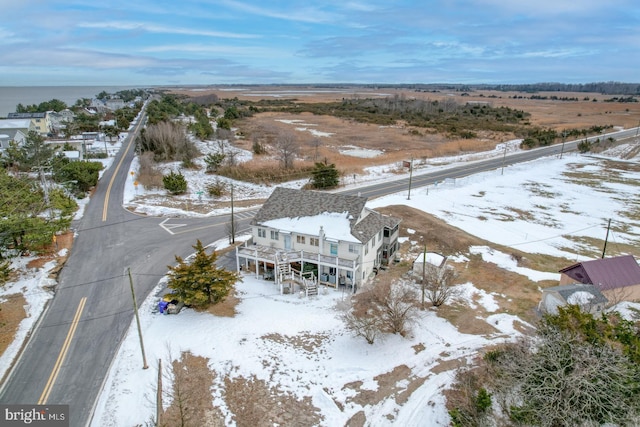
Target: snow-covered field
[532,207]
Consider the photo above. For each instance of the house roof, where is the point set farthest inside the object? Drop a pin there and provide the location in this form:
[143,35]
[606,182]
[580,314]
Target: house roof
[579,294]
[607,273]
[575,294]
[26,115]
[432,258]
[372,224]
[15,124]
[11,134]
[291,203]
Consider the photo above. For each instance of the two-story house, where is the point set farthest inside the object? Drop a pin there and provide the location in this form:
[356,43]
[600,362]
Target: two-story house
[330,238]
[41,121]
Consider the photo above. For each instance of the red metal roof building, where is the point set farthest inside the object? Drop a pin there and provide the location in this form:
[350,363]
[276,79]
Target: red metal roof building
[609,274]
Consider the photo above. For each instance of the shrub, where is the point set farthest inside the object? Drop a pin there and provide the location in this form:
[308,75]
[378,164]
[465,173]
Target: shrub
[584,146]
[217,188]
[148,174]
[175,183]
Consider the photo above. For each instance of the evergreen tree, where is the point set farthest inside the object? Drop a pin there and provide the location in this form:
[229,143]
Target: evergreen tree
[35,152]
[26,221]
[200,282]
[175,183]
[325,176]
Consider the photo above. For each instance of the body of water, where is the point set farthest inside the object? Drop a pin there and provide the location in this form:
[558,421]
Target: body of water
[11,96]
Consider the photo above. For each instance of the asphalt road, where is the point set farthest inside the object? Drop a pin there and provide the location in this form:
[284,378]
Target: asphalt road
[68,356]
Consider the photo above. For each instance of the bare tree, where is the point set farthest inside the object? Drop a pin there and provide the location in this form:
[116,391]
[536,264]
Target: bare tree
[437,284]
[287,149]
[168,141]
[231,158]
[363,322]
[224,134]
[315,144]
[389,306]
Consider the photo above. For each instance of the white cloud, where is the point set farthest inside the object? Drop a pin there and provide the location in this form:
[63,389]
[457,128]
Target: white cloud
[154,28]
[299,14]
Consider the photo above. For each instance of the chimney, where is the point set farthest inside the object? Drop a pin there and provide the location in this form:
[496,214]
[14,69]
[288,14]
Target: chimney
[321,241]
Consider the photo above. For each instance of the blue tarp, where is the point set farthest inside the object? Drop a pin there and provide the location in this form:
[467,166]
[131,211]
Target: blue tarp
[162,306]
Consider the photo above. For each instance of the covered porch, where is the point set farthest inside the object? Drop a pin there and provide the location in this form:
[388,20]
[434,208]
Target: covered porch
[297,266]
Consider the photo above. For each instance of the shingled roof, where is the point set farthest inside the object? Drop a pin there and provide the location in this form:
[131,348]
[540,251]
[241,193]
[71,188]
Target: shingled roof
[607,273]
[566,291]
[291,203]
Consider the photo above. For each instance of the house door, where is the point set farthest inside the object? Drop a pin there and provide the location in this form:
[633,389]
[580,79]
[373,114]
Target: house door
[287,241]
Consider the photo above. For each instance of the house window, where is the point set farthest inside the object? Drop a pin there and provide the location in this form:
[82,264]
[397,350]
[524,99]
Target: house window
[314,241]
[262,232]
[387,232]
[353,248]
[373,241]
[380,235]
[274,235]
[366,249]
[333,249]
[300,239]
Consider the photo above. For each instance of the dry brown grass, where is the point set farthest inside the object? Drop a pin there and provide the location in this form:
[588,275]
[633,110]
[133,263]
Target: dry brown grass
[192,405]
[254,403]
[148,174]
[515,293]
[11,314]
[400,142]
[225,308]
[265,171]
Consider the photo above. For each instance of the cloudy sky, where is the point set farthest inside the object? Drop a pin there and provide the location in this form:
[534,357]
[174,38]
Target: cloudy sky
[150,42]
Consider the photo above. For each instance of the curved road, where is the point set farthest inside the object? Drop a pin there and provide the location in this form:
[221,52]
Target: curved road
[68,356]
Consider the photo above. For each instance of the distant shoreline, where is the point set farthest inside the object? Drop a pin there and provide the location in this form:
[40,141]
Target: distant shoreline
[11,96]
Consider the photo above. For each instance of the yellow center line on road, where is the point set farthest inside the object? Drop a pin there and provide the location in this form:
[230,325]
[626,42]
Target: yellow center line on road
[115,172]
[63,353]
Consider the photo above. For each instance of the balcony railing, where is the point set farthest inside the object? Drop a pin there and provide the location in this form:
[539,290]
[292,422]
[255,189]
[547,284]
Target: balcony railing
[269,254]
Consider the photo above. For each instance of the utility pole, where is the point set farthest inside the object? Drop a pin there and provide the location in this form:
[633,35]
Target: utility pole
[504,157]
[606,238]
[410,177]
[159,394]
[424,273]
[135,311]
[233,220]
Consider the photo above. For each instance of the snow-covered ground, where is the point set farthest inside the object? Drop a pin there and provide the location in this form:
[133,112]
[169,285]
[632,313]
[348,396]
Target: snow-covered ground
[532,206]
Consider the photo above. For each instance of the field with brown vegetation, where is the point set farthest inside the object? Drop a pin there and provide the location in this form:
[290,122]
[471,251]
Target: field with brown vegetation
[401,141]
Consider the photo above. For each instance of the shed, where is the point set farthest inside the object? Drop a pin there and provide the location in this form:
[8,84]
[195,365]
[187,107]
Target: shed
[433,259]
[587,297]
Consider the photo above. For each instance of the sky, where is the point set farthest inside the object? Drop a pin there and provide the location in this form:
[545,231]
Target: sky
[210,42]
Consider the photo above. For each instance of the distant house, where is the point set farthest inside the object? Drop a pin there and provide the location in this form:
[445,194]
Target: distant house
[8,135]
[587,297]
[59,120]
[329,238]
[41,121]
[618,277]
[114,104]
[15,130]
[73,155]
[23,125]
